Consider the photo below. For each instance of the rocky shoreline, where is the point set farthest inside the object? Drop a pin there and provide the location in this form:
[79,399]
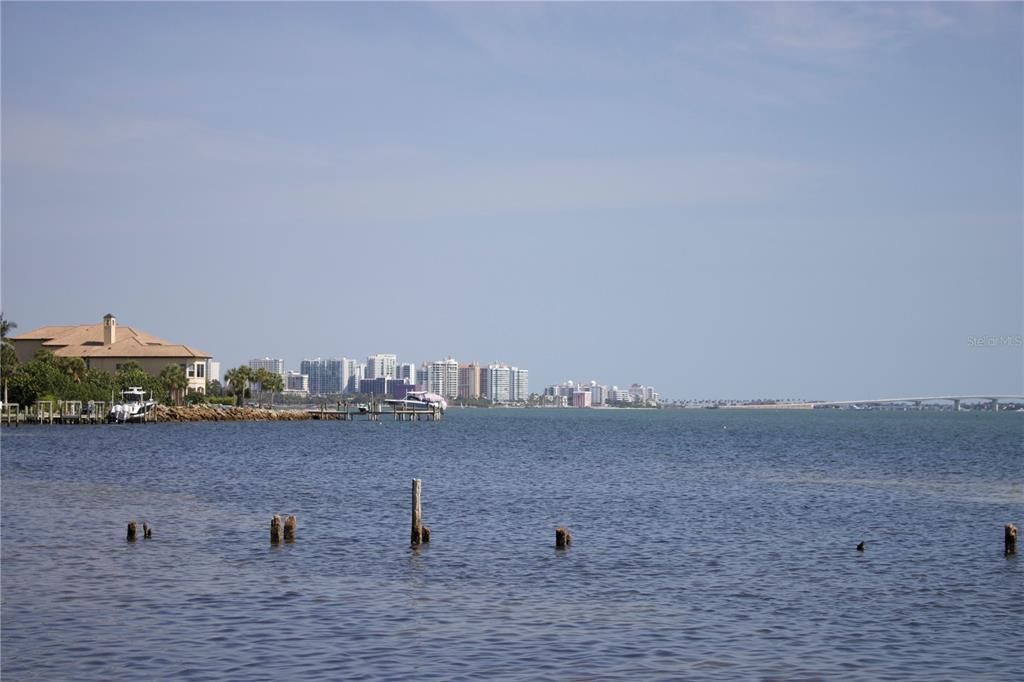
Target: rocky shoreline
[209,413]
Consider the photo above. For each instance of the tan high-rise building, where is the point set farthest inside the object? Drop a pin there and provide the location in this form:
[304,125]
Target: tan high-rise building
[469,381]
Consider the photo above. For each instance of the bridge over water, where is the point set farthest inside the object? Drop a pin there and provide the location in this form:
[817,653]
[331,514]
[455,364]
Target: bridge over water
[916,401]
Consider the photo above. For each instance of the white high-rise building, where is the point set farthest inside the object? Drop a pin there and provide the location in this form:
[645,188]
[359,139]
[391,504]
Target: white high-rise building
[498,379]
[381,365]
[443,378]
[518,384]
[273,365]
[212,370]
[348,371]
[597,393]
[296,383]
[618,395]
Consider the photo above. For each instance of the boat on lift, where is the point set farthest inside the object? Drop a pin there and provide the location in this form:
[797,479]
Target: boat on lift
[419,401]
[133,407]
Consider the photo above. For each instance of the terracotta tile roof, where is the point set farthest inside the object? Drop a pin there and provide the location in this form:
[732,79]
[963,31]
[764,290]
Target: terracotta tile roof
[43,333]
[86,341]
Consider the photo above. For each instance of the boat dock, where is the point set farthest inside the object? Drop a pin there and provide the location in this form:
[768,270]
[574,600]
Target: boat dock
[96,412]
[46,412]
[374,412]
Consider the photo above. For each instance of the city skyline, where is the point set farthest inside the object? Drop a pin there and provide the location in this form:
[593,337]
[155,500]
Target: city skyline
[517,375]
[729,200]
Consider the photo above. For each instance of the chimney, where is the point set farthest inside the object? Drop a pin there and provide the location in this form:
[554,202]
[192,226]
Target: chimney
[109,330]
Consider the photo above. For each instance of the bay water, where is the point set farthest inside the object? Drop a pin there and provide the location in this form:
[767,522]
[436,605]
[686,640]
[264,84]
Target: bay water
[707,544]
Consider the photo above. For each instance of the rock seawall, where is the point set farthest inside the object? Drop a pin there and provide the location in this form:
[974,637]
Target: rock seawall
[207,413]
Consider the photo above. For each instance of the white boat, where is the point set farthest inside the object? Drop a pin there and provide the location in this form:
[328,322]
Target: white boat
[134,406]
[419,401]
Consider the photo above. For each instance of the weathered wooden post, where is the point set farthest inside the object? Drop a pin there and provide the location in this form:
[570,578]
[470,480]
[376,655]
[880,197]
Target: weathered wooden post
[563,538]
[147,532]
[1009,539]
[416,536]
[275,529]
[290,526]
[131,531]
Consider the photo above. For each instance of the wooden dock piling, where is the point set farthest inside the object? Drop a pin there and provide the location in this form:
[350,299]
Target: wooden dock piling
[147,531]
[276,531]
[416,535]
[563,538]
[291,524]
[132,528]
[1009,539]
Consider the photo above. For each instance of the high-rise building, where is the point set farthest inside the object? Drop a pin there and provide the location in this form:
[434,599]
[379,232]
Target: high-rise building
[498,378]
[443,378]
[485,383]
[399,388]
[469,381]
[296,383]
[324,376]
[518,384]
[349,384]
[381,365]
[212,370]
[273,365]
[565,390]
[581,399]
[407,371]
[618,395]
[597,393]
[374,387]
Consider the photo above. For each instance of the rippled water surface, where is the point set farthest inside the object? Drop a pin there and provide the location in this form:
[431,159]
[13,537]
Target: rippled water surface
[706,544]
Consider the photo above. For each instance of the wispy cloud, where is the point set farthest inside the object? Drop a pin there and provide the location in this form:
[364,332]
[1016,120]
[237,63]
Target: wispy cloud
[821,28]
[115,145]
[381,181]
[443,191]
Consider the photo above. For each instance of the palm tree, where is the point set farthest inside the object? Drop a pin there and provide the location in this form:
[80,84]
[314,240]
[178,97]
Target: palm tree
[238,378]
[8,358]
[259,377]
[72,368]
[272,382]
[174,381]
[5,328]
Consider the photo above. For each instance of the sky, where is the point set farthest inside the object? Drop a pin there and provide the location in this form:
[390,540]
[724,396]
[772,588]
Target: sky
[728,200]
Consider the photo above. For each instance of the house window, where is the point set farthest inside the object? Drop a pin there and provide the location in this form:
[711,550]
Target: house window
[190,372]
[200,370]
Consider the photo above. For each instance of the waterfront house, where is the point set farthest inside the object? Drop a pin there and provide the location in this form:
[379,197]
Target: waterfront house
[107,347]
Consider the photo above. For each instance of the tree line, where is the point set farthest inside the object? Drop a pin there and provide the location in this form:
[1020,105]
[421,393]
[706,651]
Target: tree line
[243,379]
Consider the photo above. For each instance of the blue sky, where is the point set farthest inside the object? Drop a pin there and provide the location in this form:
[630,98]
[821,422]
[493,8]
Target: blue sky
[722,200]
